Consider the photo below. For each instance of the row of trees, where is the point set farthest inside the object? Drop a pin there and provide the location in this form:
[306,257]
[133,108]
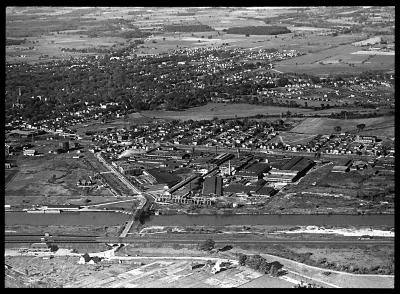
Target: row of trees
[10,42]
[260,264]
[360,127]
[255,262]
[258,30]
[188,28]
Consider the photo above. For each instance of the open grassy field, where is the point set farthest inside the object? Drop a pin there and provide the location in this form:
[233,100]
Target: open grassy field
[36,177]
[221,110]
[293,138]
[118,123]
[341,280]
[9,175]
[359,256]
[378,126]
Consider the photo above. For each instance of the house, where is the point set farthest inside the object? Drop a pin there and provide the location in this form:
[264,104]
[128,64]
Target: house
[359,164]
[29,152]
[42,247]
[343,166]
[70,207]
[365,139]
[340,169]
[87,259]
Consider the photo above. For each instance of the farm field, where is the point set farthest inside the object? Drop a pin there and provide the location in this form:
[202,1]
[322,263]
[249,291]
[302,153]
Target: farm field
[47,42]
[48,47]
[66,272]
[266,281]
[339,59]
[378,126]
[60,271]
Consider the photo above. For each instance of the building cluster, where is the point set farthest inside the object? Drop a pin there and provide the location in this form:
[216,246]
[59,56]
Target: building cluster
[340,143]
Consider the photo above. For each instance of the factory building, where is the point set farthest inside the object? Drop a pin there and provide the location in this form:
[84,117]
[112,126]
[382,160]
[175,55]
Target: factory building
[254,172]
[254,190]
[289,170]
[212,186]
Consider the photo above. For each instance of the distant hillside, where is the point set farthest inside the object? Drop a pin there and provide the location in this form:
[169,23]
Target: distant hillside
[258,30]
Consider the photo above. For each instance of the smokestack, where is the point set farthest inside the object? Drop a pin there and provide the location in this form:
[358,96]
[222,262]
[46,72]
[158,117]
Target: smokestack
[230,173]
[238,155]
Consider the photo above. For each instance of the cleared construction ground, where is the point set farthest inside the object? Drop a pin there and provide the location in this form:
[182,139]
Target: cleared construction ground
[173,269]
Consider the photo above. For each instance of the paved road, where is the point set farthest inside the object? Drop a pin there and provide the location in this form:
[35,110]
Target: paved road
[145,199]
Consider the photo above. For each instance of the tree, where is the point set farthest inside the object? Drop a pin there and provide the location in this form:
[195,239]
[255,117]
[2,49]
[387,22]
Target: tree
[242,259]
[275,268]
[53,247]
[207,245]
[281,82]
[338,129]
[254,262]
[264,266]
[360,127]
[385,149]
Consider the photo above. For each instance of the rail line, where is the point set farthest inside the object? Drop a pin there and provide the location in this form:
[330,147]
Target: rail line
[141,240]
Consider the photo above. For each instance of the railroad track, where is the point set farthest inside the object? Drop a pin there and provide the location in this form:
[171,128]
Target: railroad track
[109,178]
[175,240]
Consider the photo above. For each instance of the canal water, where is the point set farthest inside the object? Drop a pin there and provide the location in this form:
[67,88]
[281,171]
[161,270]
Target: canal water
[293,220]
[113,218]
[67,219]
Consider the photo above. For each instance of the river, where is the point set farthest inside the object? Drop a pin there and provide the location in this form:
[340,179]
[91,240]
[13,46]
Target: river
[113,218]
